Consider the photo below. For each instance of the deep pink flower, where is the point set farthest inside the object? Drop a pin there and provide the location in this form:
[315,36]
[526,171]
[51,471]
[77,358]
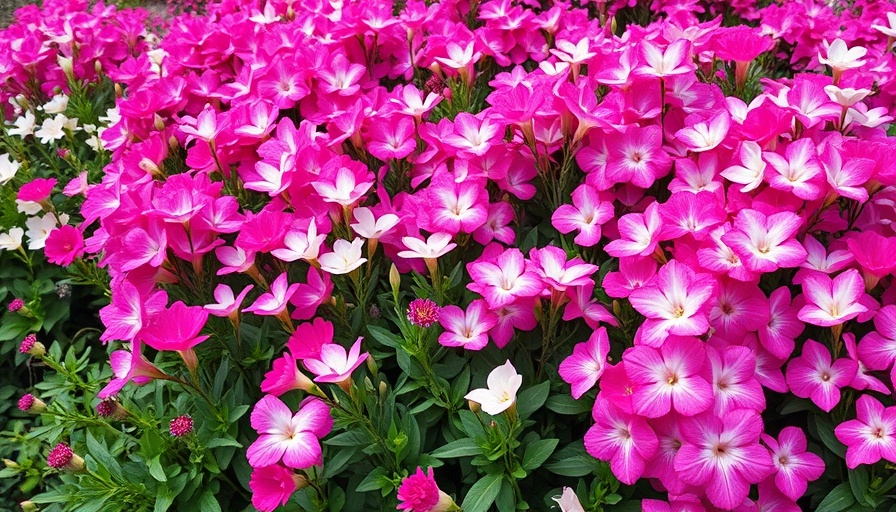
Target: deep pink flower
[673,304]
[872,251]
[308,338]
[813,376]
[793,464]
[584,367]
[688,213]
[878,348]
[392,138]
[723,455]
[639,233]
[36,190]
[732,373]
[626,441]
[130,366]
[272,486]
[636,156]
[783,326]
[181,426]
[799,173]
[633,272]
[556,272]
[292,438]
[176,328]
[64,245]
[420,493]
[423,312]
[285,376]
[669,377]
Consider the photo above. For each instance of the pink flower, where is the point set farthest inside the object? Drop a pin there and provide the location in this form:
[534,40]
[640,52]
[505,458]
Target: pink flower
[275,300]
[783,326]
[626,441]
[732,374]
[584,367]
[556,272]
[438,244]
[272,486]
[129,366]
[705,135]
[832,302]
[871,436]
[285,376]
[181,426]
[872,251]
[468,329]
[420,493]
[292,438]
[674,303]
[674,60]
[586,214]
[633,273]
[813,376]
[636,156]
[793,464]
[723,455]
[878,348]
[473,135]
[343,181]
[456,207]
[227,305]
[177,328]
[333,364]
[392,138]
[36,190]
[765,244]
[504,279]
[800,173]
[308,338]
[64,245]
[639,233]
[423,312]
[668,377]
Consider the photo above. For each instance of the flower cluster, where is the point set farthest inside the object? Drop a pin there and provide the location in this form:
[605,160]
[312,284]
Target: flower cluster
[689,224]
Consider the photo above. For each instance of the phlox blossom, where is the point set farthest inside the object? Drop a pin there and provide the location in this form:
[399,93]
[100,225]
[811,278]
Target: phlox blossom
[334,364]
[504,279]
[625,440]
[64,244]
[813,376]
[794,466]
[291,438]
[586,214]
[832,301]
[468,329]
[669,377]
[871,436]
[584,367]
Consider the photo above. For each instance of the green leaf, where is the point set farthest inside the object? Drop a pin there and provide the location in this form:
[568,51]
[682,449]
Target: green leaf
[208,503]
[858,482]
[573,461]
[538,452]
[374,480]
[840,498]
[164,498]
[567,405]
[531,399]
[464,447]
[384,336]
[826,433]
[506,501]
[223,441]
[156,470]
[482,494]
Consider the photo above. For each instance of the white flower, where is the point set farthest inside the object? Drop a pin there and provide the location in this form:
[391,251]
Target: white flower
[846,97]
[39,229]
[28,207]
[13,240]
[503,383]
[8,169]
[112,117]
[839,56]
[57,105]
[369,227]
[53,129]
[346,256]
[24,125]
[436,245]
[888,30]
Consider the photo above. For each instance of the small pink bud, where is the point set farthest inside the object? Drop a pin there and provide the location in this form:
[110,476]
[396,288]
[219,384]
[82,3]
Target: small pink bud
[181,426]
[62,457]
[31,346]
[31,404]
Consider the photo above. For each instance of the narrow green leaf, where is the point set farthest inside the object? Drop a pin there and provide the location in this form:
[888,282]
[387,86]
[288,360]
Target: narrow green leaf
[464,447]
[538,452]
[840,498]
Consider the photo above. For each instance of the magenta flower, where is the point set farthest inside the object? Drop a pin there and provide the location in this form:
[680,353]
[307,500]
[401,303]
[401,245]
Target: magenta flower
[272,486]
[673,60]
[64,245]
[420,493]
[584,367]
[668,377]
[556,272]
[227,305]
[673,304]
[783,326]
[872,251]
[181,426]
[36,190]
[733,379]
[626,441]
[130,366]
[393,138]
[333,364]
[633,273]
[308,338]
[800,173]
[176,328]
[636,156]
[423,312]
[723,455]
[468,329]
[832,302]
[292,438]
[794,466]
[813,376]
[878,348]
[586,214]
[285,376]
[504,279]
[871,436]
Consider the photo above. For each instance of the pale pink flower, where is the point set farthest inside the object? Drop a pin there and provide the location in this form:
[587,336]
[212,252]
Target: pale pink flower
[584,367]
[468,329]
[832,302]
[438,244]
[274,301]
[346,256]
[333,363]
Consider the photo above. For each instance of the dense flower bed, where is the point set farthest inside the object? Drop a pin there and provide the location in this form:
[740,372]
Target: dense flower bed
[365,255]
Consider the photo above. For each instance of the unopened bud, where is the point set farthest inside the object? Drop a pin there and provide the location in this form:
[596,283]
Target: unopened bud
[67,66]
[28,506]
[31,404]
[158,122]
[11,464]
[62,457]
[394,279]
[474,406]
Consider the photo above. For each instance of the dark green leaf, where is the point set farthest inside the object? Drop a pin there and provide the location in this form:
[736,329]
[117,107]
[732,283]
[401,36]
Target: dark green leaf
[840,498]
[531,399]
[482,494]
[464,447]
[538,452]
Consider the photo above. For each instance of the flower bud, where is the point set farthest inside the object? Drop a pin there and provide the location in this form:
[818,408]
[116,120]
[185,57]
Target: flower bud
[62,457]
[11,464]
[31,404]
[181,426]
[32,347]
[111,409]
[28,506]
[394,279]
